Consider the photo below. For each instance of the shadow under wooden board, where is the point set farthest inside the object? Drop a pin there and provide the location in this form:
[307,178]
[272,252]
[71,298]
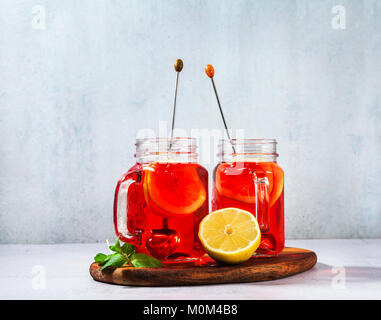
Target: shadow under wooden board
[289,262]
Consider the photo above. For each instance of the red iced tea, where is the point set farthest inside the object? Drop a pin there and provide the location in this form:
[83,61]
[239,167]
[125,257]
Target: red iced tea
[164,199]
[250,179]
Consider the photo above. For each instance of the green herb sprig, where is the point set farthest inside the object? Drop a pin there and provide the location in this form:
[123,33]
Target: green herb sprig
[125,255]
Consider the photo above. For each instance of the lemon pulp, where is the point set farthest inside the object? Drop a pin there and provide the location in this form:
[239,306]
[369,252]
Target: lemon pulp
[230,235]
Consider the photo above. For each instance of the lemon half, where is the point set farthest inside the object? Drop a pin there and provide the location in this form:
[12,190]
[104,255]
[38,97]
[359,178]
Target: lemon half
[230,235]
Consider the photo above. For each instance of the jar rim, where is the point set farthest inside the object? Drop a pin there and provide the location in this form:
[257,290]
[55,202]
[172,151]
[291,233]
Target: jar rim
[238,149]
[156,148]
[250,141]
[166,139]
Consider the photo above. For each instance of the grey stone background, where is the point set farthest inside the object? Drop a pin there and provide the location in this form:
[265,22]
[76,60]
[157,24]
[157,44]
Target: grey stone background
[74,94]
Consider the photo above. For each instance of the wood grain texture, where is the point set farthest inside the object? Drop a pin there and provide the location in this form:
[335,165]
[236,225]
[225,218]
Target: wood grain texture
[289,262]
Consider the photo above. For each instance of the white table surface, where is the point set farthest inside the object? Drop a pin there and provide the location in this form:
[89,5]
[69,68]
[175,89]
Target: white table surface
[346,269]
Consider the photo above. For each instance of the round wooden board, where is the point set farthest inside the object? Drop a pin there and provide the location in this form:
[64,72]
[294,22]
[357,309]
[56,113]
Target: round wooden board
[289,262]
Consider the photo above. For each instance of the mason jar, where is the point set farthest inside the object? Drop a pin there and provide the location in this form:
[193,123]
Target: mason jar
[248,177]
[160,201]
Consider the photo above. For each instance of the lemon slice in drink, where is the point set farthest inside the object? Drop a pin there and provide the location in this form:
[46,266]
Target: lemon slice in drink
[230,235]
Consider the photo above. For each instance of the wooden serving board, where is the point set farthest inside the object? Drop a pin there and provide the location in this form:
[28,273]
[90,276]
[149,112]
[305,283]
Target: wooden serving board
[289,262]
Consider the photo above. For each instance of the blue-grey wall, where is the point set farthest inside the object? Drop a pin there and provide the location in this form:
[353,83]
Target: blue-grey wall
[78,79]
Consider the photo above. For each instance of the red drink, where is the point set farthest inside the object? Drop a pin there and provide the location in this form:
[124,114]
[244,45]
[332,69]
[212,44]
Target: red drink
[163,204]
[250,179]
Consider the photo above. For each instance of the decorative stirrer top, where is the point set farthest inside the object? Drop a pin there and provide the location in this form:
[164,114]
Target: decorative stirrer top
[179,65]
[209,70]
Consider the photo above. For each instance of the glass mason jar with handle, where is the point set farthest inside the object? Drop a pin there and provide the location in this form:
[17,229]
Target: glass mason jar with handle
[248,177]
[161,200]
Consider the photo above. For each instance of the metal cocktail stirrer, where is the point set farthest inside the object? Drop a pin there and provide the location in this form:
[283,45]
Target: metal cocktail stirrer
[209,70]
[172,235]
[178,67]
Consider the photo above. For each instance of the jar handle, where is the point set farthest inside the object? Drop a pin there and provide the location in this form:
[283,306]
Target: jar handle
[121,207]
[262,201]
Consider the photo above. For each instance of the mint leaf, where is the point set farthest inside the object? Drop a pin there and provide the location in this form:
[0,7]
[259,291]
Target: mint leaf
[109,257]
[141,260]
[116,260]
[125,255]
[128,249]
[116,246]
[100,258]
